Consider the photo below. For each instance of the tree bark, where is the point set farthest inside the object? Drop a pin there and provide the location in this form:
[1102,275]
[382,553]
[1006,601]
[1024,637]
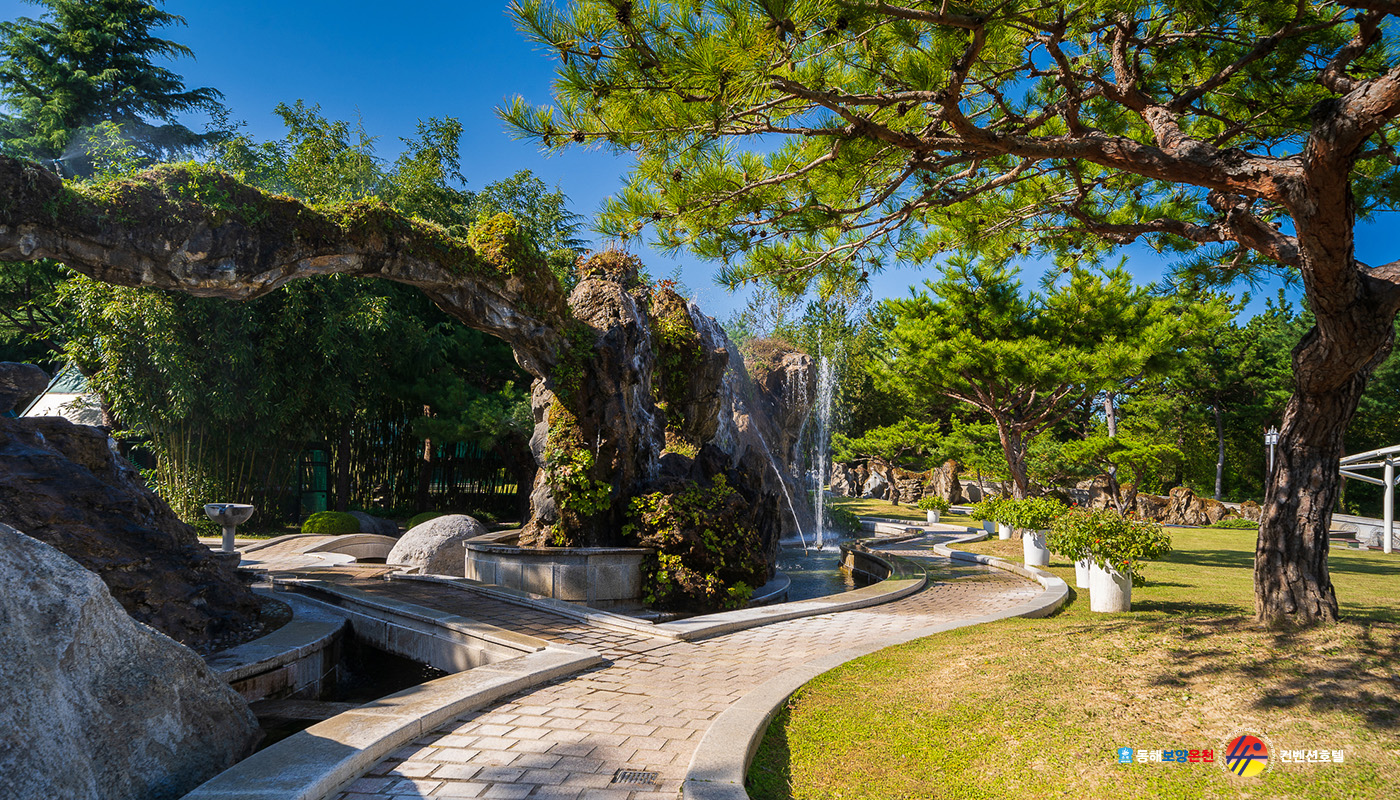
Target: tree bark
[1291,581]
[1219,451]
[1013,446]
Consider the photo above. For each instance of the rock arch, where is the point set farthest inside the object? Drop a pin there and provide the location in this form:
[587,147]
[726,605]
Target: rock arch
[612,361]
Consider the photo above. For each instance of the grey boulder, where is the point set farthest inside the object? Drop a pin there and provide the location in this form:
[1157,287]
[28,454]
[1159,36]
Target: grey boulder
[97,706]
[436,547]
[372,524]
[20,383]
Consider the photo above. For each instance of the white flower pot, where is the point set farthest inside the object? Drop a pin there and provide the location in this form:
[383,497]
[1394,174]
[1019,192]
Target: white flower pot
[989,526]
[1110,591]
[1081,574]
[1003,530]
[933,515]
[1033,548]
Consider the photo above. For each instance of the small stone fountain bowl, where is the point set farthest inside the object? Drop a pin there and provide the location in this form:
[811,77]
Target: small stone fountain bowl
[227,515]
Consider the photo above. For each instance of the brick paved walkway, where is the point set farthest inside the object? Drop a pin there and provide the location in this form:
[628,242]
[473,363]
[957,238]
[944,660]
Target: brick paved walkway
[647,708]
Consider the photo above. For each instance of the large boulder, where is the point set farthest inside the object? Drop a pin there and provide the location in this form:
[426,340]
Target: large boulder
[96,706]
[843,480]
[875,486]
[1185,508]
[1151,507]
[62,484]
[436,546]
[20,383]
[1094,493]
[1251,510]
[943,482]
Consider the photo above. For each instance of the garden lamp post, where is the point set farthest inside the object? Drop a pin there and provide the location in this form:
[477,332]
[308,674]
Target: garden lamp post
[1271,439]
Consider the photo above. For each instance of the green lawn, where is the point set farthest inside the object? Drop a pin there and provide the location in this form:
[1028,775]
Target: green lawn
[1037,708]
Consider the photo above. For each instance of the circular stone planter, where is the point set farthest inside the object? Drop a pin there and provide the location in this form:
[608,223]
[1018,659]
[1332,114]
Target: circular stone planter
[1081,574]
[1110,591]
[1033,548]
[1003,530]
[599,577]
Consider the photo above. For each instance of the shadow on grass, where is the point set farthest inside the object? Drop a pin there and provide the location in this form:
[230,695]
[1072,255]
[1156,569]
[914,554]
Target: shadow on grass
[1346,668]
[1237,559]
[770,774]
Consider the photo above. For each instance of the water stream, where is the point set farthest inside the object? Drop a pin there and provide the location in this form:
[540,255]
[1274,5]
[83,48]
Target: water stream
[826,384]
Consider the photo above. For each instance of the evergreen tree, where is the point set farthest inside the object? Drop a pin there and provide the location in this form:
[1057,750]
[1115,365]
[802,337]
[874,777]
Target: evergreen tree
[791,139]
[90,61]
[1030,360]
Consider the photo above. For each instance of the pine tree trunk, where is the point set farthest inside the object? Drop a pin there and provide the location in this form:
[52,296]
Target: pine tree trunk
[1291,581]
[1014,448]
[1219,451]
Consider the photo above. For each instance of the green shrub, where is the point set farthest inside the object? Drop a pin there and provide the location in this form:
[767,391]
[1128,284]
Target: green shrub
[330,522]
[1235,524]
[990,508]
[419,519]
[708,552]
[1108,538]
[932,502]
[1032,513]
[842,519]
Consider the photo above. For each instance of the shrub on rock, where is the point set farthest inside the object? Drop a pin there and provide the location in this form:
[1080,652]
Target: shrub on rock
[708,552]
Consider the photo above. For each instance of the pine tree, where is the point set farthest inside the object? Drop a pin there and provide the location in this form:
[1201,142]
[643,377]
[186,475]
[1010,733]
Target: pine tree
[86,62]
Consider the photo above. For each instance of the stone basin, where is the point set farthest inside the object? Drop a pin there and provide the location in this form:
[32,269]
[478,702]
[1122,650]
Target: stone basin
[229,516]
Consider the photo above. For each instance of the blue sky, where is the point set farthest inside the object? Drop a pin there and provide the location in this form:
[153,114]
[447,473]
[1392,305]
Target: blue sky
[393,64]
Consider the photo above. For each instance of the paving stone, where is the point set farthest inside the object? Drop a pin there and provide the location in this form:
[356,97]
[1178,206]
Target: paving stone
[649,706]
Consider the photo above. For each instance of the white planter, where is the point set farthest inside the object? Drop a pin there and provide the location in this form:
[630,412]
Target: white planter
[1003,530]
[1033,548]
[1081,574]
[933,515]
[989,526]
[1110,591]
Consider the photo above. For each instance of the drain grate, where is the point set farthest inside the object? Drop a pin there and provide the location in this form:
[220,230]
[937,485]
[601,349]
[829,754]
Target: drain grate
[633,776]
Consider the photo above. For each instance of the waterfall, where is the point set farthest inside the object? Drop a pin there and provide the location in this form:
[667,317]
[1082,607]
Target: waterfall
[826,384]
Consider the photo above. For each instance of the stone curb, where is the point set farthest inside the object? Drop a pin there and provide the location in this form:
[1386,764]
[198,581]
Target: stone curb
[310,629]
[326,757]
[687,630]
[721,760]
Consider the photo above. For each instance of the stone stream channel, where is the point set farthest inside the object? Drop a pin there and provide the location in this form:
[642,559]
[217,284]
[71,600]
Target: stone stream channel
[814,574]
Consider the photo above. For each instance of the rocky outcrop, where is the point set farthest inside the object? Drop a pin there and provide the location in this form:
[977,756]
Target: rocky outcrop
[844,481]
[875,486]
[1251,511]
[1185,508]
[943,482]
[1151,507]
[375,525]
[1093,493]
[20,383]
[62,484]
[95,705]
[435,546]
[785,382]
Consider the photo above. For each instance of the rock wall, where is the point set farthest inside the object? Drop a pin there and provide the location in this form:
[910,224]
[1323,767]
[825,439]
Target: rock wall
[857,479]
[93,705]
[661,395]
[62,484]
